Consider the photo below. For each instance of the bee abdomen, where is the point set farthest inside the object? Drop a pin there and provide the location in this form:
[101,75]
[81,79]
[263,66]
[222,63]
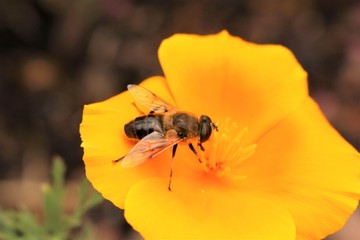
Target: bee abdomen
[143,126]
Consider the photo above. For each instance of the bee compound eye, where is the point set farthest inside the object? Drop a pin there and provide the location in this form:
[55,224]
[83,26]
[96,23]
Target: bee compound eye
[205,132]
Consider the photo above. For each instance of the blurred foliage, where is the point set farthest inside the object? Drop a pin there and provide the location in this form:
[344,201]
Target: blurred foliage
[56,224]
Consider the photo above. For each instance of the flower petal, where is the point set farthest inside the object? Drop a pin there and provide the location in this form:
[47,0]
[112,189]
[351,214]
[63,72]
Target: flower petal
[227,76]
[104,140]
[190,212]
[305,164]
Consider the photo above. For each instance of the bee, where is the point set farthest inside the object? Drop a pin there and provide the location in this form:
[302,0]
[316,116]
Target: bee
[165,126]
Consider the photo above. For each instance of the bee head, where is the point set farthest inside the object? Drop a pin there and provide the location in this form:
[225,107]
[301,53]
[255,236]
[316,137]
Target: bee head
[206,127]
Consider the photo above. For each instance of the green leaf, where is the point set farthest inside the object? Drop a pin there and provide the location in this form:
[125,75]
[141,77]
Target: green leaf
[18,225]
[57,225]
[58,173]
[92,197]
[54,198]
[28,225]
[87,198]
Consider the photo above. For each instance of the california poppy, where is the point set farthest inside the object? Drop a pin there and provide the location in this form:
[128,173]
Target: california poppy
[275,170]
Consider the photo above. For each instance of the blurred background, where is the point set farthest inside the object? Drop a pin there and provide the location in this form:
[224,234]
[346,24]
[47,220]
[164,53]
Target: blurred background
[57,55]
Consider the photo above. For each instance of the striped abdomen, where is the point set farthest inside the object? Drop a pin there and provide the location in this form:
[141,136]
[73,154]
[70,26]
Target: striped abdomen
[144,125]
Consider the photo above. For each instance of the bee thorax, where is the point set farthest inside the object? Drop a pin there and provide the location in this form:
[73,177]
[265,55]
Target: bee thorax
[186,125]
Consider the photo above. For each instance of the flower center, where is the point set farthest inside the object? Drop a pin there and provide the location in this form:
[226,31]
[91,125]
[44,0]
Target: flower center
[227,151]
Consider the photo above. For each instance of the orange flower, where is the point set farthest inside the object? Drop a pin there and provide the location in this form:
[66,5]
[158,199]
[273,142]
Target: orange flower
[276,168]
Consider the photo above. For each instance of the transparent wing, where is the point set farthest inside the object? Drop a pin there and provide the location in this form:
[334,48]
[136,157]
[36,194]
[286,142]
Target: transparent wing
[150,100]
[147,148]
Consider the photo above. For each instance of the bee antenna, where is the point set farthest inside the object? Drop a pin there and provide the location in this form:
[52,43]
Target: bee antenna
[215,126]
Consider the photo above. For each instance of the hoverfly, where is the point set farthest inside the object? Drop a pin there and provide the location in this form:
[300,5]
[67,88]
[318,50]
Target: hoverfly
[164,127]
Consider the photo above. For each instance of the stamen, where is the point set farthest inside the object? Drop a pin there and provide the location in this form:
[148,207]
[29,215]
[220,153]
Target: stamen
[227,151]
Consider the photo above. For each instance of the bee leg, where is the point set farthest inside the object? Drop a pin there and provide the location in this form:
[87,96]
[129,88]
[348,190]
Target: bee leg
[117,160]
[195,152]
[137,108]
[172,165]
[201,146]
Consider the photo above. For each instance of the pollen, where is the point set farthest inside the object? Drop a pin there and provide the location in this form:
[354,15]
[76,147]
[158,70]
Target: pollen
[227,151]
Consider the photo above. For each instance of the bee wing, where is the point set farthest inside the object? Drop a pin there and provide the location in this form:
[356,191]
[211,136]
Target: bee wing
[150,100]
[147,148]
